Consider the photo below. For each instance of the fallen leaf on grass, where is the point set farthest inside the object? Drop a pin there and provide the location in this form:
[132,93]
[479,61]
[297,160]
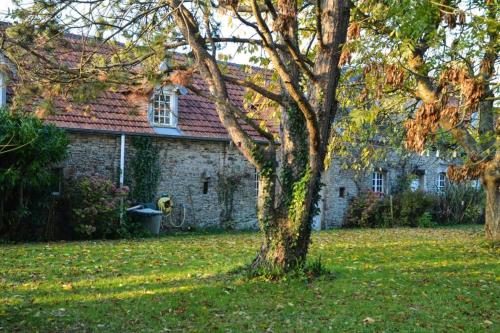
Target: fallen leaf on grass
[488,322]
[368,321]
[67,286]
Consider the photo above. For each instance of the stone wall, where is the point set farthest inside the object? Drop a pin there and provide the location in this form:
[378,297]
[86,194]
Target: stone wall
[185,166]
[334,205]
[90,154]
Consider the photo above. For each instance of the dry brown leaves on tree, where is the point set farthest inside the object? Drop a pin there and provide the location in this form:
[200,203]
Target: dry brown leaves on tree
[425,122]
[181,77]
[472,90]
[345,56]
[394,76]
[353,31]
[447,107]
[465,172]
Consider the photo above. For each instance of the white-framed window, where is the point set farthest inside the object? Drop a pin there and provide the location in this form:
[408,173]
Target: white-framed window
[378,185]
[441,181]
[163,108]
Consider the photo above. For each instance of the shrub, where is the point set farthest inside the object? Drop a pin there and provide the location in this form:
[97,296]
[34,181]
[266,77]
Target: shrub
[29,149]
[364,211]
[460,204]
[410,206]
[402,209]
[97,206]
[425,220]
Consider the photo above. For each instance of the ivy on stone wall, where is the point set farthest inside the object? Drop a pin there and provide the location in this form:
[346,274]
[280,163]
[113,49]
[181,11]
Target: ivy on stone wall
[145,169]
[226,187]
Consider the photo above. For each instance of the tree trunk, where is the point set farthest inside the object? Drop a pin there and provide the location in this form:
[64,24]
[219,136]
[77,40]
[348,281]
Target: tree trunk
[491,183]
[286,219]
[287,230]
[304,141]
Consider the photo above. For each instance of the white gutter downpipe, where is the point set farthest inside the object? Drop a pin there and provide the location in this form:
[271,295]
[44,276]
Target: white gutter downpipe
[122,172]
[122,160]
[3,86]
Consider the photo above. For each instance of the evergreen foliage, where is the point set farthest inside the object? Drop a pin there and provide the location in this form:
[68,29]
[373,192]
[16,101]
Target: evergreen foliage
[29,151]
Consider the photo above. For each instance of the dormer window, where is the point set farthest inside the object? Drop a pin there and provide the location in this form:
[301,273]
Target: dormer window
[163,108]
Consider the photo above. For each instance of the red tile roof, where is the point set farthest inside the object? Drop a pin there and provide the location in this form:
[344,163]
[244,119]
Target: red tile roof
[114,112]
[110,112]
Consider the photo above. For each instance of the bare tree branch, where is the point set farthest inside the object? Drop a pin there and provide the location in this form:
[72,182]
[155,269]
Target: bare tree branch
[258,89]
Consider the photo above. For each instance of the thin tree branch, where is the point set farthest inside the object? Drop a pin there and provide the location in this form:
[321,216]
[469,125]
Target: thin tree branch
[265,134]
[258,89]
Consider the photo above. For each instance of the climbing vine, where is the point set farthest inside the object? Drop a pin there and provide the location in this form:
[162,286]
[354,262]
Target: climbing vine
[145,169]
[300,155]
[226,187]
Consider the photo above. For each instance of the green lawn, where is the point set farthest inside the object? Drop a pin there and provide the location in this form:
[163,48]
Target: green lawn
[406,280]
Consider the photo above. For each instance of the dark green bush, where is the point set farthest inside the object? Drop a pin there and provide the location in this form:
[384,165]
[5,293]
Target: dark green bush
[426,221]
[29,149]
[410,206]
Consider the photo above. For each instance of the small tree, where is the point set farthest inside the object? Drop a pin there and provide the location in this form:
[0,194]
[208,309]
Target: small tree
[28,151]
[440,56]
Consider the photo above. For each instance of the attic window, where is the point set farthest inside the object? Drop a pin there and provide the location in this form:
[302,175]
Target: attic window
[162,108]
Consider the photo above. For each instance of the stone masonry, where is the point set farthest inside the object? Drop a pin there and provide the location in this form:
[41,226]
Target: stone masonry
[185,166]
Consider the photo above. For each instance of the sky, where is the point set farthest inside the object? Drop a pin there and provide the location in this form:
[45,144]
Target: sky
[4,6]
[229,50]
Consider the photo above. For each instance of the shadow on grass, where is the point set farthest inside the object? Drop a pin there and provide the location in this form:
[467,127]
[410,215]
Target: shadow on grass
[403,287]
[222,301]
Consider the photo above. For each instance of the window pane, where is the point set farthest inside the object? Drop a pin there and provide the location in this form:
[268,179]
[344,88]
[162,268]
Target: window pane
[377,182]
[161,113]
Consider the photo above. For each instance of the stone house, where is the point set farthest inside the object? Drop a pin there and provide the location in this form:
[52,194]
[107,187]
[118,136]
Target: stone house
[195,153]
[196,156]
